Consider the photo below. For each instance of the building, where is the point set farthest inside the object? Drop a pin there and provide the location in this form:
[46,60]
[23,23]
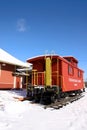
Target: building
[11,71]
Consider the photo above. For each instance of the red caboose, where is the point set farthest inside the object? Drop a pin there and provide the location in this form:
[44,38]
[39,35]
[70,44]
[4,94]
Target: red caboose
[55,74]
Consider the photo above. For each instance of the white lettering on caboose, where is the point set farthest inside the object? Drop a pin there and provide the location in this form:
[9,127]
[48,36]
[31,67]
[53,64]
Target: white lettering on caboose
[74,80]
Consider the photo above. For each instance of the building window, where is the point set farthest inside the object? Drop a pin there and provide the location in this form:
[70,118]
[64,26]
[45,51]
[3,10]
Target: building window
[70,70]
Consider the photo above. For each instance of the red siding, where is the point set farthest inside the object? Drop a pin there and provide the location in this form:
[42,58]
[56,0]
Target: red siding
[6,77]
[71,82]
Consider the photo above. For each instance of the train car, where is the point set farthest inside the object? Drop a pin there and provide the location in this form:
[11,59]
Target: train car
[54,76]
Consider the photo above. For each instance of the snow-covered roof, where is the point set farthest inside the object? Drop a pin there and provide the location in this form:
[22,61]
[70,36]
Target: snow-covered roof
[9,59]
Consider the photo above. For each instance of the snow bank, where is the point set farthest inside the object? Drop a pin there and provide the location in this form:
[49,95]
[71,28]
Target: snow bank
[15,107]
[26,116]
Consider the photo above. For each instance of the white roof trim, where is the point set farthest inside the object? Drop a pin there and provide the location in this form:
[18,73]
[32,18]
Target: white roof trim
[43,55]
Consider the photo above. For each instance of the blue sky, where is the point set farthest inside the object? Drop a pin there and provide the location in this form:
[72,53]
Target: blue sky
[35,27]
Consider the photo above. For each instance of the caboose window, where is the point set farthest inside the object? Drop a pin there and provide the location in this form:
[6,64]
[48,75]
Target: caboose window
[79,73]
[70,70]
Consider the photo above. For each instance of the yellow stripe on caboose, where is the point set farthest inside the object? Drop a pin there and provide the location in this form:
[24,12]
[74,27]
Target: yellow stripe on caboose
[48,72]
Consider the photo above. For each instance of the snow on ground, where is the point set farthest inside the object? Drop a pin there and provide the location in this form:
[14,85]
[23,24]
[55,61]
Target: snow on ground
[24,115]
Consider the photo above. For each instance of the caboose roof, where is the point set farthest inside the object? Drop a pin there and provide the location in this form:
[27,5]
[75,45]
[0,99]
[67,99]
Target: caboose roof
[40,57]
[71,57]
[9,59]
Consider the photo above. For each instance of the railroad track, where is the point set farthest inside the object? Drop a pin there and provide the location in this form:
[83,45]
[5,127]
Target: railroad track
[63,101]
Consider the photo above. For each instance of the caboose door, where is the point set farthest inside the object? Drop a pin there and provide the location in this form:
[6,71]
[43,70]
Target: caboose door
[56,72]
